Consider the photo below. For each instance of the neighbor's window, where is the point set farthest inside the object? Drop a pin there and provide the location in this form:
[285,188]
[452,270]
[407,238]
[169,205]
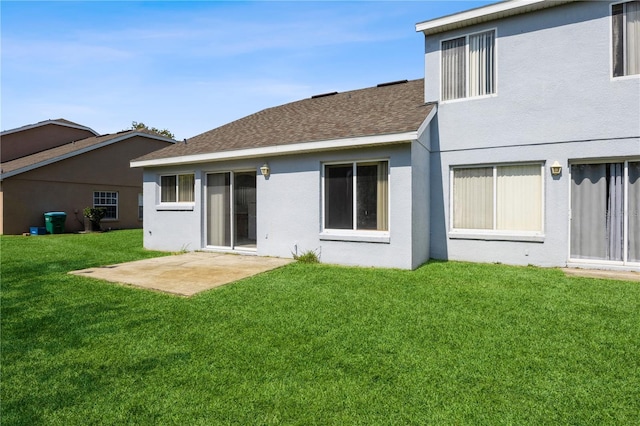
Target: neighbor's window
[108,200]
[501,198]
[140,206]
[177,188]
[356,196]
[468,66]
[625,25]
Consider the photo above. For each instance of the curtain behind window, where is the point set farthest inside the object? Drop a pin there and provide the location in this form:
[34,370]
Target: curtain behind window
[168,189]
[473,198]
[185,188]
[519,198]
[453,69]
[632,39]
[634,212]
[588,211]
[481,64]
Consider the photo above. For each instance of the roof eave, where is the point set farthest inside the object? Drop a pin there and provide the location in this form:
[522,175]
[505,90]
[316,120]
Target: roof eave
[81,151]
[47,122]
[483,14]
[287,149]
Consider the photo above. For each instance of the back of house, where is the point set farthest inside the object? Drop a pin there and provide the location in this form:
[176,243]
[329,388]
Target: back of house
[521,146]
[522,86]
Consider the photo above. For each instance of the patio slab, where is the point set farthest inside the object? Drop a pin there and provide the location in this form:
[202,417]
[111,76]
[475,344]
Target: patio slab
[597,273]
[185,274]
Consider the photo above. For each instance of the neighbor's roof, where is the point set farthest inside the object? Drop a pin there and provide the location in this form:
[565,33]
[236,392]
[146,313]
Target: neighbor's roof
[387,109]
[490,12]
[49,156]
[58,122]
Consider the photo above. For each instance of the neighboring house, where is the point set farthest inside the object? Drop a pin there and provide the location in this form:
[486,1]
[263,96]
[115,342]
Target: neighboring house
[523,147]
[57,165]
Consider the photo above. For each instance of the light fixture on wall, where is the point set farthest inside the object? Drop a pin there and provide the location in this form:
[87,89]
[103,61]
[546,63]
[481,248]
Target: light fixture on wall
[265,170]
[556,168]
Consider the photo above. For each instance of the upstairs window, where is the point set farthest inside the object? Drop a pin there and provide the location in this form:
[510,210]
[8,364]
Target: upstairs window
[468,66]
[625,25]
[177,188]
[356,196]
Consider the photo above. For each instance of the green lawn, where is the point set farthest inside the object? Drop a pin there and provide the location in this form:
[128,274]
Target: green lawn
[449,343]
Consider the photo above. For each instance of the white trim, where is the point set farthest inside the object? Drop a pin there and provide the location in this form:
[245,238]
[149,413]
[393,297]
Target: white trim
[483,14]
[295,148]
[356,236]
[47,122]
[79,152]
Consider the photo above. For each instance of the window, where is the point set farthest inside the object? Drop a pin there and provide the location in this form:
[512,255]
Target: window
[468,66]
[625,25]
[356,196]
[140,206]
[605,211]
[498,198]
[177,188]
[107,200]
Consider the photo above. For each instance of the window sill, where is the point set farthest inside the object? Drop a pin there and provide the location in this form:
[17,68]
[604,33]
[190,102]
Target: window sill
[174,207]
[357,237]
[469,98]
[529,238]
[109,219]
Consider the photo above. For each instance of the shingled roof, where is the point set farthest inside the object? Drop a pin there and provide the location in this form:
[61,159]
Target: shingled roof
[382,110]
[29,162]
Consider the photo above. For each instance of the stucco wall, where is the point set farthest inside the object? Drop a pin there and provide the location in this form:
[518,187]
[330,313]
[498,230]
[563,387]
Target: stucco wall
[289,209]
[555,101]
[19,144]
[68,186]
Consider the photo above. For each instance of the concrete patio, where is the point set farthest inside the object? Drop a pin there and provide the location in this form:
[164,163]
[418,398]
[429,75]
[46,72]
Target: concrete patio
[184,274]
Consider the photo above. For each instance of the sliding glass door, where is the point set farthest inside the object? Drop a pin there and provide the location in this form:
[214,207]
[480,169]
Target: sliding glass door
[231,210]
[605,212]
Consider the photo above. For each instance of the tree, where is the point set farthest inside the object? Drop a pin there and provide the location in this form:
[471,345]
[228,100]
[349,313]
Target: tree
[141,126]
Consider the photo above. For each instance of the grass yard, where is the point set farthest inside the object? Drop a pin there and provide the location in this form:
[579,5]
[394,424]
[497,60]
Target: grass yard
[449,343]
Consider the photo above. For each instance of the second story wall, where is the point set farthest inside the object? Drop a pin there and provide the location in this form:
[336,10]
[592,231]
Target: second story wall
[553,82]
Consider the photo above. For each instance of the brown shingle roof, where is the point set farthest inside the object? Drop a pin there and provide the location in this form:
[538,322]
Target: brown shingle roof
[70,148]
[389,109]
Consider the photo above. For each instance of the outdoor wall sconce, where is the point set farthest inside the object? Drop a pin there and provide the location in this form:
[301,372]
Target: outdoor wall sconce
[265,170]
[556,168]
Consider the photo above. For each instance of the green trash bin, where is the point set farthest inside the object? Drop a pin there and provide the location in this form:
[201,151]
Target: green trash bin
[54,222]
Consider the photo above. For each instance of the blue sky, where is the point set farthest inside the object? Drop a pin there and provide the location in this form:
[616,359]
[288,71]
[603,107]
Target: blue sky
[193,66]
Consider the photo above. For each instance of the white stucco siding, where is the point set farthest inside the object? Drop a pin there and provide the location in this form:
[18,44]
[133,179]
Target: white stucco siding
[170,230]
[553,249]
[553,79]
[289,209]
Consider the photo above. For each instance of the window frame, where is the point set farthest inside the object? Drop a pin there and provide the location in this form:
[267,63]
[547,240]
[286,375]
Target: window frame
[354,234]
[175,205]
[611,53]
[493,233]
[466,37]
[105,205]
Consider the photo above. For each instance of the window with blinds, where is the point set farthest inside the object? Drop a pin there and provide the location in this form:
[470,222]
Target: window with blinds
[468,66]
[499,198]
[177,188]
